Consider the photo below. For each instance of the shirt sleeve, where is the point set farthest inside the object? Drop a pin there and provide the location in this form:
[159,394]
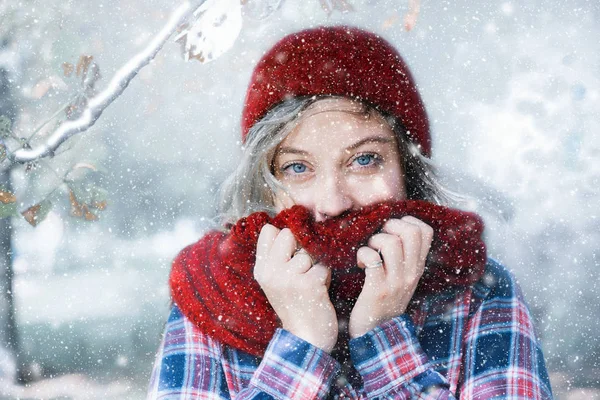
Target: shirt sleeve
[295,369]
[393,365]
[189,365]
[503,358]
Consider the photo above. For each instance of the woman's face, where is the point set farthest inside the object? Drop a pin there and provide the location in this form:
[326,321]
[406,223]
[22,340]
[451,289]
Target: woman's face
[337,159]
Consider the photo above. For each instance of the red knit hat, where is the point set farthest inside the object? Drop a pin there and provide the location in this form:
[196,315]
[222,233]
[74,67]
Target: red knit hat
[342,61]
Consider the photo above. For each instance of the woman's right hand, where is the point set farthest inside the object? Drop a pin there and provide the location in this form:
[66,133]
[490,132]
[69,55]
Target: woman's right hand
[296,289]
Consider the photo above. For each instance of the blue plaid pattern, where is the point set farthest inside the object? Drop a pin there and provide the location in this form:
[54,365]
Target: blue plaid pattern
[474,343]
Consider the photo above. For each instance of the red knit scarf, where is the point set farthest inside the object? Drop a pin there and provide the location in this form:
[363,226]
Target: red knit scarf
[212,280]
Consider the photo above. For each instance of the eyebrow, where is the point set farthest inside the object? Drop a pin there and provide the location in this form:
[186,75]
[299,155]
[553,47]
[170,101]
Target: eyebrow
[354,146]
[372,139]
[290,150]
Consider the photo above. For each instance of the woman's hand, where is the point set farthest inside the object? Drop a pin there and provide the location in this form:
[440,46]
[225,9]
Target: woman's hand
[296,289]
[403,247]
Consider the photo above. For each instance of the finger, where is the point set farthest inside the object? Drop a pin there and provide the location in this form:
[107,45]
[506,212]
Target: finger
[370,260]
[397,227]
[301,261]
[410,235]
[367,257]
[426,235]
[320,274]
[284,246]
[392,252]
[267,236]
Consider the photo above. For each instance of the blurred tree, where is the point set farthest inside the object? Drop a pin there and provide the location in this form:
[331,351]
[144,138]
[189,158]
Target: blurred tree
[80,115]
[8,331]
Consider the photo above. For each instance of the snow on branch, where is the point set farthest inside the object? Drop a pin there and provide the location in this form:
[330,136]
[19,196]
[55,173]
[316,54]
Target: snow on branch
[115,88]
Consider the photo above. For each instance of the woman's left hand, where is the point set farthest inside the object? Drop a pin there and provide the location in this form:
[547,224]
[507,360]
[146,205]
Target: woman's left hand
[402,246]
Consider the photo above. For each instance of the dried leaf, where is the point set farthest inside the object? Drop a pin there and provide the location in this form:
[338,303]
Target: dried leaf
[81,209]
[88,215]
[37,213]
[83,65]
[99,198]
[390,21]
[8,204]
[7,197]
[99,205]
[68,68]
[410,19]
[76,108]
[30,214]
[70,111]
[76,209]
[81,190]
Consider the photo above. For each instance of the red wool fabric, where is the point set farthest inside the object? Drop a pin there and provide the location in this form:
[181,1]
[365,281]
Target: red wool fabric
[213,285]
[340,60]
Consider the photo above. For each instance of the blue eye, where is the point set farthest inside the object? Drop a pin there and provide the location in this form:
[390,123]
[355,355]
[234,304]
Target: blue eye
[365,159]
[296,168]
[299,168]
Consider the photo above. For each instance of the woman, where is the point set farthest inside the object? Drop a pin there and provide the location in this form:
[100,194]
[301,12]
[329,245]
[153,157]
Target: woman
[339,272]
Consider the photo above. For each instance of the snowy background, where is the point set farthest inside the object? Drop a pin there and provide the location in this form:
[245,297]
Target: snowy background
[513,93]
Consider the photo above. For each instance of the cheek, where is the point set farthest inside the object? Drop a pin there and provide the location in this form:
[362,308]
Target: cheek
[294,196]
[397,185]
[384,187]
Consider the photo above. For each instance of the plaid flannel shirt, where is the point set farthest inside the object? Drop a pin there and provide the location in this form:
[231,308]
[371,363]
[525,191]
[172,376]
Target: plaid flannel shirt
[474,343]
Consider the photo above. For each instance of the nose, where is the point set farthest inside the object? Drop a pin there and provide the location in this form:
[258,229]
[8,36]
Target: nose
[332,197]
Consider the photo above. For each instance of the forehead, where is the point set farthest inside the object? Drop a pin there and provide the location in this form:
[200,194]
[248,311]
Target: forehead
[336,123]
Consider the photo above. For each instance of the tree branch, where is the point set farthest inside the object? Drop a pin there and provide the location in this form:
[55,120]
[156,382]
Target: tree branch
[115,88]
